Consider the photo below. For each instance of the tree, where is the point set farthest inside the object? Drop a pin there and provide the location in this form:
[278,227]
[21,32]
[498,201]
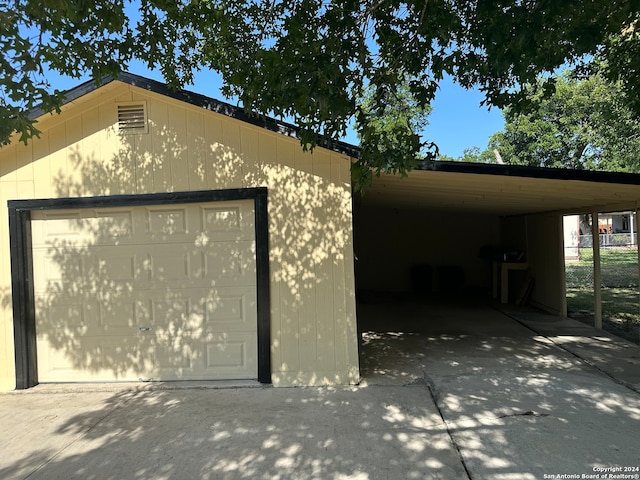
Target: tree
[308,60]
[585,124]
[473,155]
[391,120]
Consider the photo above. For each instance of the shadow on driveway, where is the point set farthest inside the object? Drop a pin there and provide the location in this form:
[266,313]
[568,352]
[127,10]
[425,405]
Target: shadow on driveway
[449,391]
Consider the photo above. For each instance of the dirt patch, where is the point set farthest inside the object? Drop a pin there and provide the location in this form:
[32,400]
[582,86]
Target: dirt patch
[629,329]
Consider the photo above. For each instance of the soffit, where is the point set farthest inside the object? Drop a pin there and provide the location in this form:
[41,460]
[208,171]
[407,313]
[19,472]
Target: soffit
[499,194]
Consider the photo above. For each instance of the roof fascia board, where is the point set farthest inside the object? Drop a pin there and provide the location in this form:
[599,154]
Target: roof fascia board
[533,172]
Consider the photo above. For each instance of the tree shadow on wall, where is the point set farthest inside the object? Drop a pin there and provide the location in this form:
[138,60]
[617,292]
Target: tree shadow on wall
[89,310]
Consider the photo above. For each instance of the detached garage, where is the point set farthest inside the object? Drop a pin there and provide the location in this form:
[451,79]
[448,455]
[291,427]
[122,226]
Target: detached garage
[158,235]
[154,235]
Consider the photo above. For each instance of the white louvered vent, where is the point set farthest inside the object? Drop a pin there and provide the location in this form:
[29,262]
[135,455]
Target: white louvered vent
[132,117]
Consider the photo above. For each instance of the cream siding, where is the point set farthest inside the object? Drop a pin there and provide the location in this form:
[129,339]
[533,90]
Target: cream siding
[546,260]
[313,324]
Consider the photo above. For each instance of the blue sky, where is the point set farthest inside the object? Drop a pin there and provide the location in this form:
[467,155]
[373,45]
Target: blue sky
[456,122]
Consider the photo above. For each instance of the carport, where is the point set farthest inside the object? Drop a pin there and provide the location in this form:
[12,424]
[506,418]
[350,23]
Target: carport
[448,226]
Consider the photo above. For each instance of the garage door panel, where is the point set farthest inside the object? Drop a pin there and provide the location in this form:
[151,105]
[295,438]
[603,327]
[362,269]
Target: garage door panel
[68,319]
[65,312]
[173,314]
[147,292]
[168,263]
[109,226]
[173,354]
[117,264]
[118,317]
[235,306]
[164,223]
[229,263]
[60,226]
[228,222]
[92,358]
[231,353]
[56,267]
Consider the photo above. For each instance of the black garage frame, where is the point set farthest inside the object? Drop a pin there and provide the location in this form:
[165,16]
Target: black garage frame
[24,321]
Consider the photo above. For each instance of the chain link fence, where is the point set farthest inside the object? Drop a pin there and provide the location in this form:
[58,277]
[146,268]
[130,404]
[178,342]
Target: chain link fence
[619,285]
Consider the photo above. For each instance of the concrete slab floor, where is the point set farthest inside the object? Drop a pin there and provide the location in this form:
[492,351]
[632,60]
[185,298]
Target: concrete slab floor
[518,404]
[263,433]
[449,391]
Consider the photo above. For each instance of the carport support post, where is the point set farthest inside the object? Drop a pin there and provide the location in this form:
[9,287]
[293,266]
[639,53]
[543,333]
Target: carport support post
[597,283]
[637,224]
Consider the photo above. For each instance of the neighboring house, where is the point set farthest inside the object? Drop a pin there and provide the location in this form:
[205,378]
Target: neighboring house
[615,229]
[150,234]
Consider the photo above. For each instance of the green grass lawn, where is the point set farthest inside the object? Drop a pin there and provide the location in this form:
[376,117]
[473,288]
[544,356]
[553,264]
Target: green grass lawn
[619,272]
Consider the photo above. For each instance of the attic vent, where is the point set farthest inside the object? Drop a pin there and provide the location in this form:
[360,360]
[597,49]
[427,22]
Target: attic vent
[132,118]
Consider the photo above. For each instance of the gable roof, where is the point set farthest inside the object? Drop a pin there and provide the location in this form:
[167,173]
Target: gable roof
[488,188]
[198,100]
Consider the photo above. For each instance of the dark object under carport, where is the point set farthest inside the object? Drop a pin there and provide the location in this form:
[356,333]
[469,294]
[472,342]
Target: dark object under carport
[422,279]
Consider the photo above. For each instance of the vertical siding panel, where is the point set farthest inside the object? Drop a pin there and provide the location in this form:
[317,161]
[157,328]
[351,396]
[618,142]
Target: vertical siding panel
[8,191]
[324,217]
[214,153]
[90,143]
[108,149]
[42,181]
[250,166]
[196,150]
[269,154]
[75,157]
[141,153]
[303,160]
[229,158]
[175,148]
[279,289]
[286,152]
[308,330]
[123,169]
[277,341]
[290,354]
[159,163]
[326,354]
[284,220]
[322,166]
[306,206]
[23,161]
[143,163]
[9,164]
[58,161]
[344,278]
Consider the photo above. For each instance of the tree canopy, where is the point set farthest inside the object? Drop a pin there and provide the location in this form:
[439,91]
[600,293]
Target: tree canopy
[585,124]
[310,60]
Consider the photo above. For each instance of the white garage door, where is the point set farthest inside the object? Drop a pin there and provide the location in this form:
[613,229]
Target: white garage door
[156,292]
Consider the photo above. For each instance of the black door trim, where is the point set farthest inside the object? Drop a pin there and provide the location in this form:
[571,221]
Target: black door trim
[24,321]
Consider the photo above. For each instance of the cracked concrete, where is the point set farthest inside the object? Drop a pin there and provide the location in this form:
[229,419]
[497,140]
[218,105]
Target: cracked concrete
[519,402]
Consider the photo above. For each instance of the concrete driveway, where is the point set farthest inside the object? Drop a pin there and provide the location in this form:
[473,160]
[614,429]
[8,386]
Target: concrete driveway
[449,391]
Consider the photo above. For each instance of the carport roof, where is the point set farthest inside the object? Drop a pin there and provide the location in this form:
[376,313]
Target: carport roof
[505,189]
